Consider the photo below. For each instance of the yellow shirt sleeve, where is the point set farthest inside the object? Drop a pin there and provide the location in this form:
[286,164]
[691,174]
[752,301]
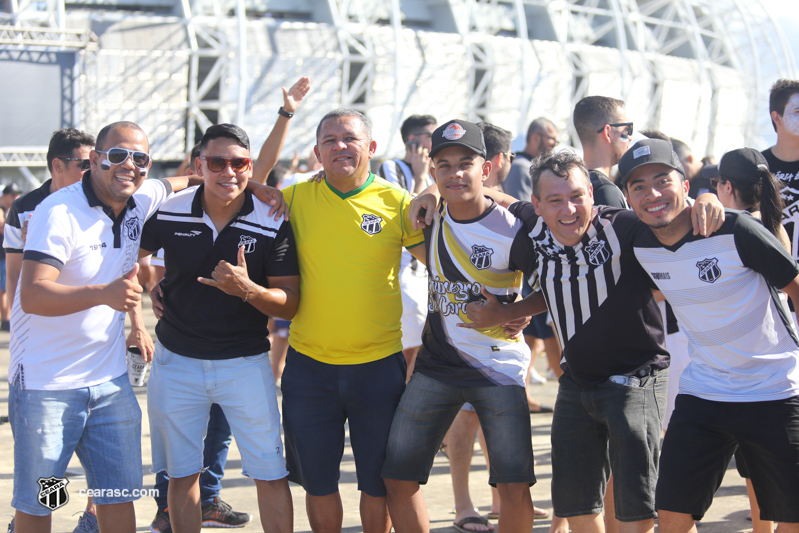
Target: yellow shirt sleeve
[410,237]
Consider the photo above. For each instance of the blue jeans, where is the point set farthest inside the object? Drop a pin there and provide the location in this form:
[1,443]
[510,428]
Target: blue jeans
[217,444]
[101,424]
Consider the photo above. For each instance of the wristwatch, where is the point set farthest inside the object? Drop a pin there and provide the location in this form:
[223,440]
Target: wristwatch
[283,113]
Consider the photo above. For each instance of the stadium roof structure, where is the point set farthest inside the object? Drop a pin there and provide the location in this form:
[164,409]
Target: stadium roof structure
[699,70]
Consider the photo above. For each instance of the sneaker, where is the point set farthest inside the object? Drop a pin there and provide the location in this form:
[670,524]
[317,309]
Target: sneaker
[536,378]
[221,514]
[87,523]
[161,523]
[5,325]
[11,526]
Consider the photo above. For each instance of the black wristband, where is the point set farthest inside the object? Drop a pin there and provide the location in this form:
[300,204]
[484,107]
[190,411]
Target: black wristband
[283,113]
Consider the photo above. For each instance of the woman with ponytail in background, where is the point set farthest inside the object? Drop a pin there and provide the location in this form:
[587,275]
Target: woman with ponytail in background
[745,183]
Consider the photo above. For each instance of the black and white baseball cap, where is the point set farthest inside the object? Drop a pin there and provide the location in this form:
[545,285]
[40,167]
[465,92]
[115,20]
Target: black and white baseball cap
[742,164]
[458,133]
[649,152]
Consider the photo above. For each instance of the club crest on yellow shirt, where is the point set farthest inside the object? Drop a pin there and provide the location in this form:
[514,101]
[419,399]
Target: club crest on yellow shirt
[371,224]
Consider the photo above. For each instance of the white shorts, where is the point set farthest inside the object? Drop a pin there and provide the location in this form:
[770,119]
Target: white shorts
[413,286]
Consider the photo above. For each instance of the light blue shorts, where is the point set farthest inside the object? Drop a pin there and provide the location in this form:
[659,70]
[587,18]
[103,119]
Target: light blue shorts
[179,397]
[101,424]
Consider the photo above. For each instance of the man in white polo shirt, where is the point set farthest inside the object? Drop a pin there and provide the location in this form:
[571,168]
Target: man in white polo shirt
[69,389]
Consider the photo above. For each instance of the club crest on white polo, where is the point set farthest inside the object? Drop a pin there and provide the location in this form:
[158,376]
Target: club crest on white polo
[133,228]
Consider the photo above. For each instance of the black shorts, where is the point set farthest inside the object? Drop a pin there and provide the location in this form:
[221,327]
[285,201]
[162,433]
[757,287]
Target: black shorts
[701,440]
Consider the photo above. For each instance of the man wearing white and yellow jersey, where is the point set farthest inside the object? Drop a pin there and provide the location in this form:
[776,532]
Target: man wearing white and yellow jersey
[474,247]
[345,362]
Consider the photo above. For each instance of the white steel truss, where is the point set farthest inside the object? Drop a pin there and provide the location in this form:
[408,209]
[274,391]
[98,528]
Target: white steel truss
[637,50]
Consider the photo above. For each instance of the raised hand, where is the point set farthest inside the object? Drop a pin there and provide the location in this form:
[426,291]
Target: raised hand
[292,98]
[231,279]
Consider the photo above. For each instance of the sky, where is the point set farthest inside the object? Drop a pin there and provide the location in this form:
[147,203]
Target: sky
[786,12]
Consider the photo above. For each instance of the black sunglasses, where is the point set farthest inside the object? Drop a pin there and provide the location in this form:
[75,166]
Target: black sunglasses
[117,156]
[84,163]
[629,126]
[510,155]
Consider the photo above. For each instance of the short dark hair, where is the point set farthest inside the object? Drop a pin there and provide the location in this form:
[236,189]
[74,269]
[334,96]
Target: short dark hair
[64,141]
[592,113]
[344,112]
[414,122]
[682,149]
[195,152]
[102,136]
[276,175]
[538,126]
[225,131]
[193,155]
[497,139]
[781,92]
[560,164]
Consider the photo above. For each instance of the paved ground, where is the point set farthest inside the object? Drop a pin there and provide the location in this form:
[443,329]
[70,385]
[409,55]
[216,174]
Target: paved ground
[727,514]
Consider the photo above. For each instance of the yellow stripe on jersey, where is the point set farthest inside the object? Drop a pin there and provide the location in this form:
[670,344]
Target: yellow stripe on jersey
[348,247]
[485,278]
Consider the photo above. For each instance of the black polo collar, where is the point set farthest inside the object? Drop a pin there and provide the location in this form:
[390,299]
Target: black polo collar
[197,203]
[94,201]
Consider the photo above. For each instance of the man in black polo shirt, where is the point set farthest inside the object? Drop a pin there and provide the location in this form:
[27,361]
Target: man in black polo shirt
[228,264]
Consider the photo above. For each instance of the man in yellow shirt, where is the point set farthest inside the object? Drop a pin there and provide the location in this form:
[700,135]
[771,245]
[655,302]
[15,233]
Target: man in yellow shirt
[345,361]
